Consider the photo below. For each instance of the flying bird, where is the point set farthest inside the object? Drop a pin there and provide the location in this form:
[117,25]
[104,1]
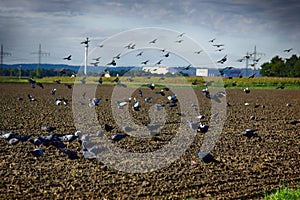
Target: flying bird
[212,40]
[145,62]
[181,34]
[179,41]
[158,62]
[223,60]
[218,45]
[288,50]
[86,41]
[139,54]
[95,63]
[113,62]
[198,52]
[153,41]
[118,56]
[97,59]
[68,57]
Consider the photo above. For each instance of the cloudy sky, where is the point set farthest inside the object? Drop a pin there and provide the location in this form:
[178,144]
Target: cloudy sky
[60,26]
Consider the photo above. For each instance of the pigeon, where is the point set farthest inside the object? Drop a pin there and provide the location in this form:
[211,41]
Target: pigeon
[140,93]
[117,137]
[151,86]
[200,117]
[218,45]
[69,153]
[69,138]
[108,128]
[58,144]
[57,81]
[203,128]
[121,104]
[173,98]
[246,90]
[223,60]
[212,40]
[127,128]
[37,152]
[40,85]
[145,62]
[68,57]
[8,135]
[294,122]
[88,154]
[139,54]
[161,92]
[288,105]
[94,102]
[36,141]
[31,98]
[13,141]
[48,128]
[152,41]
[53,91]
[113,63]
[20,98]
[148,99]
[249,133]
[24,138]
[136,105]
[118,56]
[193,125]
[252,76]
[288,50]
[206,157]
[252,117]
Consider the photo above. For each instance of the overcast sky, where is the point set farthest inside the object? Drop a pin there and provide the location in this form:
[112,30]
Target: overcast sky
[60,26]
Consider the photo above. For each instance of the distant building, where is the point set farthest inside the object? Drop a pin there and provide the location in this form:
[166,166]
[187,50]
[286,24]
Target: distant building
[202,72]
[156,69]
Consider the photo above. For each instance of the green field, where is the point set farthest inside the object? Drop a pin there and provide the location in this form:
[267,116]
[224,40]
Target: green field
[257,82]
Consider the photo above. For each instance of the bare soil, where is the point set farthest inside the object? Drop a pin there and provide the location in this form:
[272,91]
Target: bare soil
[247,168]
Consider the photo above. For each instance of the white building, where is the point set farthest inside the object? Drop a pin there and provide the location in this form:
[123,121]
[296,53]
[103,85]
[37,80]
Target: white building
[156,69]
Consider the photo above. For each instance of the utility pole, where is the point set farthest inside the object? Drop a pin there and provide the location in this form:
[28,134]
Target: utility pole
[40,54]
[2,54]
[86,42]
[253,57]
[20,72]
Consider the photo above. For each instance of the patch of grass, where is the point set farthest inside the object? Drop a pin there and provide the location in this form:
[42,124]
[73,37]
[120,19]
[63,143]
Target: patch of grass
[284,193]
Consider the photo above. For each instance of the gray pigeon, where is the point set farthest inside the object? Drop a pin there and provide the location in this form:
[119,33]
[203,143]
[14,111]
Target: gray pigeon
[37,152]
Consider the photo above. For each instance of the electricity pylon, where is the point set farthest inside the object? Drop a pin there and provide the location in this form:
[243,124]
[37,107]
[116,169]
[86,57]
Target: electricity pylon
[2,54]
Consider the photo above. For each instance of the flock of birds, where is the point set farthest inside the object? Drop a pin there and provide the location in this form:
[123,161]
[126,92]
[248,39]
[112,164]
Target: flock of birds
[62,141]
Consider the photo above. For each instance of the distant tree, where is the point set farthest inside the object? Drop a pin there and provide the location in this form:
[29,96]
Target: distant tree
[278,67]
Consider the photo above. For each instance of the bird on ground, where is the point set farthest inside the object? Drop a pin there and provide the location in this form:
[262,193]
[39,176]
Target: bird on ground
[100,80]
[246,90]
[69,153]
[83,80]
[108,128]
[68,57]
[48,128]
[40,85]
[37,142]
[288,50]
[193,125]
[31,98]
[37,152]
[203,127]
[53,91]
[57,81]
[249,133]
[206,157]
[117,137]
[69,86]
[13,141]
[151,86]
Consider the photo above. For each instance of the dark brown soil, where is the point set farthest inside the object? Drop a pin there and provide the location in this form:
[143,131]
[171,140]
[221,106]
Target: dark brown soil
[247,168]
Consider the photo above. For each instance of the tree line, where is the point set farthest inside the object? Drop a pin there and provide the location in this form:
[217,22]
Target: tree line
[279,67]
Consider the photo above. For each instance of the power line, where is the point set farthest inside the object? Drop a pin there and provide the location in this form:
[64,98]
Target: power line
[2,54]
[40,54]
